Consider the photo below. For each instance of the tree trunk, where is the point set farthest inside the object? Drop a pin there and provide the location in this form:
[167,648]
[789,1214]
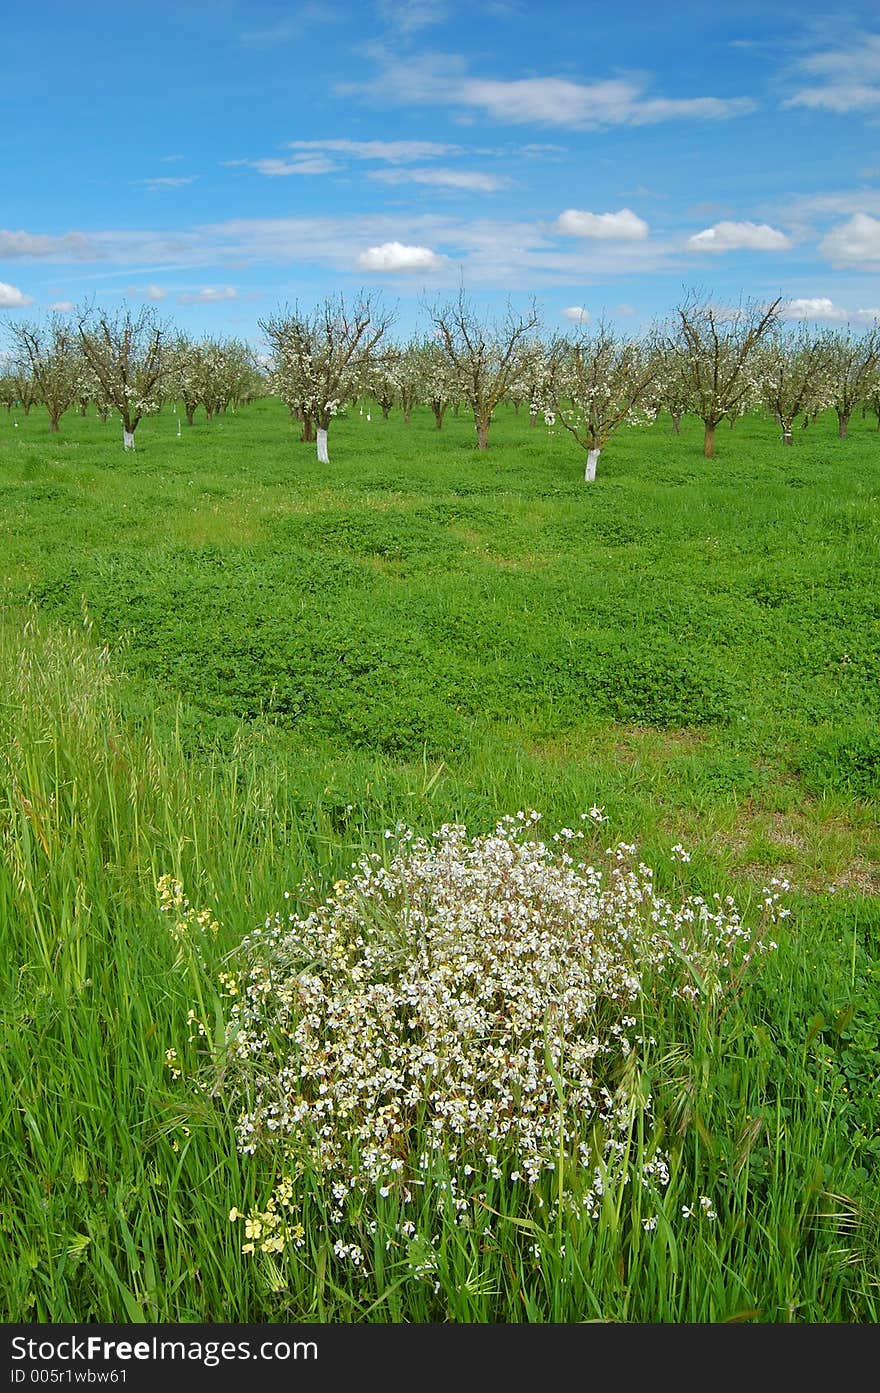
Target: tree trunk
[385,411]
[406,418]
[592,462]
[323,455]
[190,415]
[676,423]
[26,408]
[709,443]
[53,421]
[786,433]
[127,439]
[438,416]
[533,418]
[482,435]
[843,420]
[84,408]
[306,433]
[516,408]
[209,411]
[455,407]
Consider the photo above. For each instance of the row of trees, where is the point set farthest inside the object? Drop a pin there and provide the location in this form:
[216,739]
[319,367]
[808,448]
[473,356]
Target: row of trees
[713,363]
[127,363]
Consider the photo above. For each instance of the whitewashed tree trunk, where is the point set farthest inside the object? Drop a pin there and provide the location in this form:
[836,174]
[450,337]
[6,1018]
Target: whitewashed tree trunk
[127,439]
[323,456]
[592,461]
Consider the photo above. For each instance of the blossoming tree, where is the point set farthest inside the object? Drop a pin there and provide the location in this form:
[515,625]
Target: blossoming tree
[128,354]
[601,381]
[793,377]
[851,361]
[485,359]
[715,349]
[213,373]
[321,361]
[438,382]
[50,357]
[410,377]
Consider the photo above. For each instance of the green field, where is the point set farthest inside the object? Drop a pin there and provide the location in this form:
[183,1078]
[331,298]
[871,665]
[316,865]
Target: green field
[223,661]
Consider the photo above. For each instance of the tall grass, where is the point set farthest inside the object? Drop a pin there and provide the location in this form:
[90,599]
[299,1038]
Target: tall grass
[119,1178]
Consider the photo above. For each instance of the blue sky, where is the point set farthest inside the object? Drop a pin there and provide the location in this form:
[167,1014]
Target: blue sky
[219,159]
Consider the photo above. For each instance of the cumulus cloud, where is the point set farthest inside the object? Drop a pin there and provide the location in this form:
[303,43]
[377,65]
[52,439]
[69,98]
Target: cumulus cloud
[513,253]
[396,256]
[815,307]
[11,298]
[208,295]
[821,307]
[624,225]
[576,313]
[854,243]
[739,236]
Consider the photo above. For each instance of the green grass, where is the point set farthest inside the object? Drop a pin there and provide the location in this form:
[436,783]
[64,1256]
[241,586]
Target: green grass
[222,660]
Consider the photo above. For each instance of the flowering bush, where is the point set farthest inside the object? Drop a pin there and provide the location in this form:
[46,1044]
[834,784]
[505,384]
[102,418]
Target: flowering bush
[469,1007]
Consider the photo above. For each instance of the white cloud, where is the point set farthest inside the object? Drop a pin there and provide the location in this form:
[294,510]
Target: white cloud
[442,80]
[407,17]
[624,225]
[145,292]
[274,168]
[576,313]
[166,181]
[208,295]
[854,243]
[822,308]
[63,306]
[72,246]
[11,298]
[469,179]
[390,151]
[816,307]
[847,77]
[395,256]
[509,254]
[290,30]
[843,202]
[736,236]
